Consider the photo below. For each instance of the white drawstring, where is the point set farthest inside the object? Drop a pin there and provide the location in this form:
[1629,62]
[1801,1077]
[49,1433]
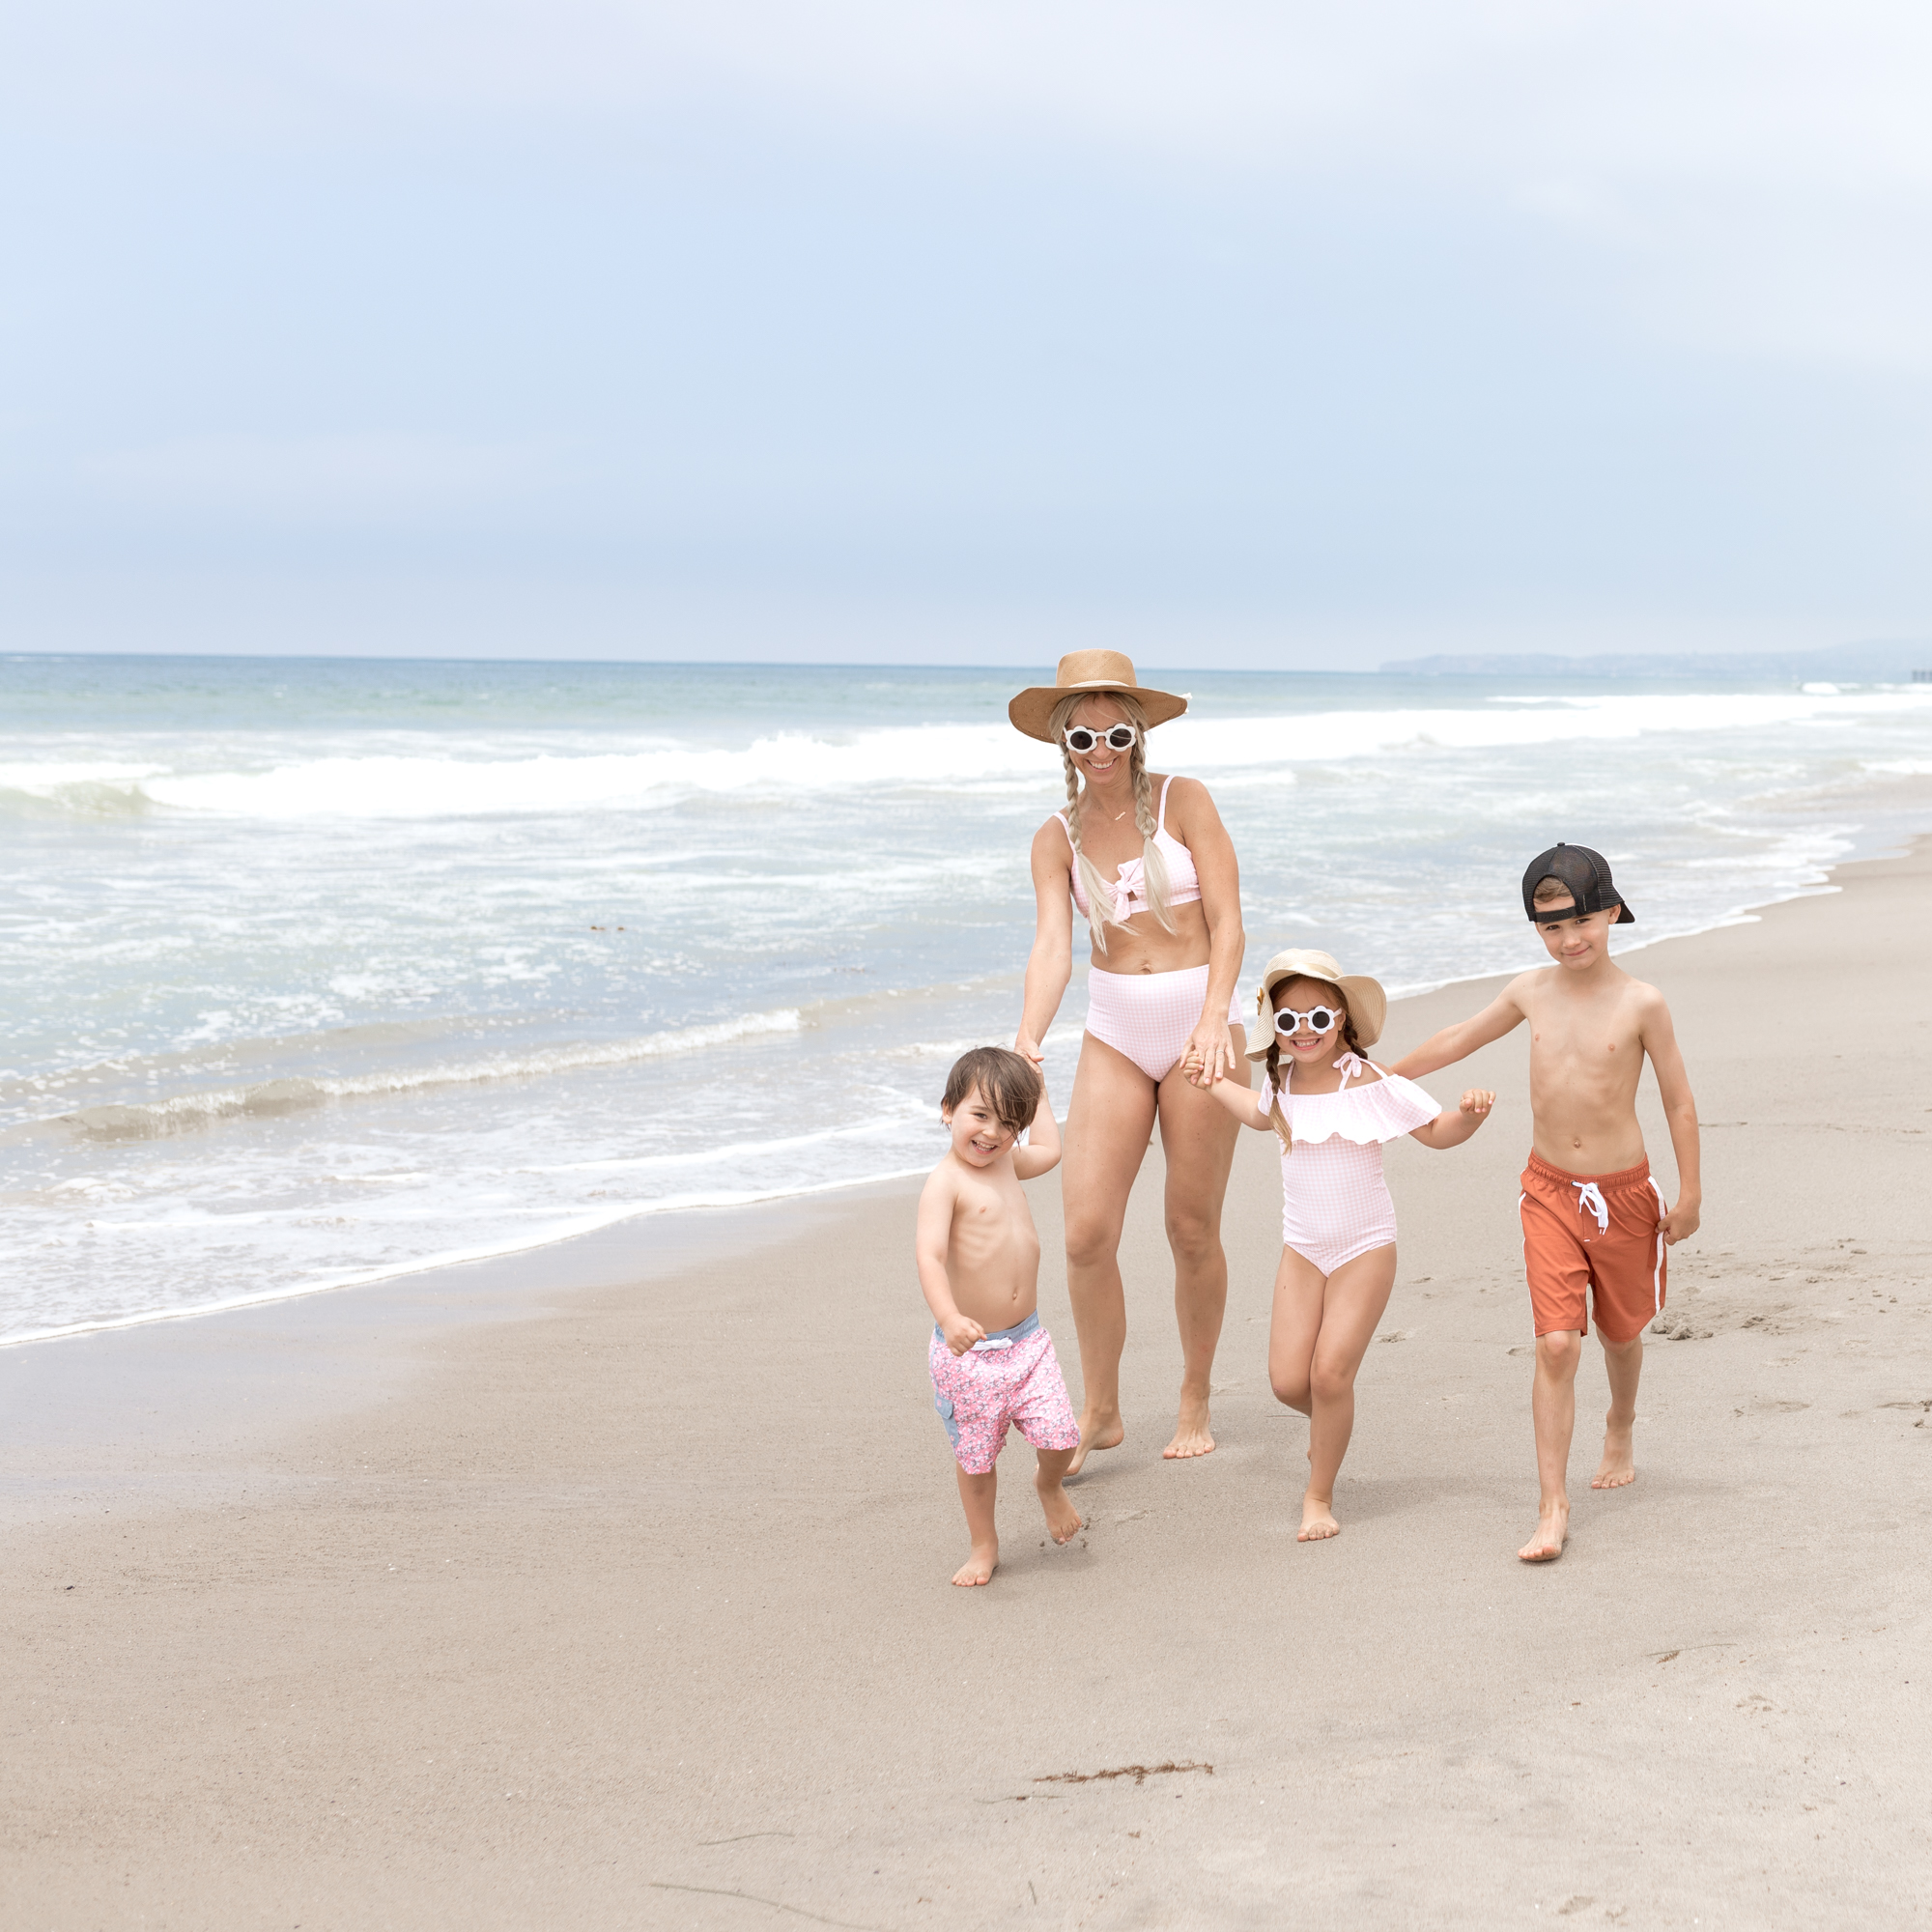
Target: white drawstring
[1350,1068]
[1589,1195]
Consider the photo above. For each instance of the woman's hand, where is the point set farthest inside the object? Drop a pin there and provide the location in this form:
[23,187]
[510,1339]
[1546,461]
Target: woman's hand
[1210,1052]
[1028,1047]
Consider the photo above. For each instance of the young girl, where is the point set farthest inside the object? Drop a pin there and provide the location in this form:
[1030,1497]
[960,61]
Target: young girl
[1332,1110]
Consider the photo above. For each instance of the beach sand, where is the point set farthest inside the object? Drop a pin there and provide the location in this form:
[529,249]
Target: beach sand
[571,1590]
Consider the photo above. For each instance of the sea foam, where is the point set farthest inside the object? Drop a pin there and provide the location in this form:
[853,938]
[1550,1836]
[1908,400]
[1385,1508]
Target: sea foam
[437,784]
[312,1002]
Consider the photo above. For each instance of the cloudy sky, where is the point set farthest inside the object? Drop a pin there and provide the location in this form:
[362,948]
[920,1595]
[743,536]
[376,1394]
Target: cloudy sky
[913,330]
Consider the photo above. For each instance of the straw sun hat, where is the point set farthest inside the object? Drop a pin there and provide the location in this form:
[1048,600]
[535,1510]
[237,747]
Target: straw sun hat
[1097,671]
[1368,1004]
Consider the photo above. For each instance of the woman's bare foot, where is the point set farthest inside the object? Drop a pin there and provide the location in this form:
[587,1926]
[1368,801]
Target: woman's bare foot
[977,1568]
[1317,1521]
[1619,1464]
[1097,1431]
[1192,1435]
[1063,1520]
[1552,1532]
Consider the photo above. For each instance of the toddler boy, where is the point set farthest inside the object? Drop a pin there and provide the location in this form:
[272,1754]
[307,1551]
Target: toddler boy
[979,1266]
[1593,1221]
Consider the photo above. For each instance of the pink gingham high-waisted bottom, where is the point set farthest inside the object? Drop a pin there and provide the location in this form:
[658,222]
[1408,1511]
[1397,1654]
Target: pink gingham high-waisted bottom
[1149,1016]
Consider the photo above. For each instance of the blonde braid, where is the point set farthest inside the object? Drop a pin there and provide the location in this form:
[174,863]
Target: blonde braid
[1154,867]
[1098,896]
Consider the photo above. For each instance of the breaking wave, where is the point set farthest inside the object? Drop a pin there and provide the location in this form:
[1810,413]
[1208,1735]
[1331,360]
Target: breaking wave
[182,1113]
[589,775]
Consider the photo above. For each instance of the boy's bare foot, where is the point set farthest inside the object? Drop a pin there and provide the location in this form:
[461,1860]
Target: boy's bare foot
[1317,1521]
[977,1568]
[1192,1435]
[1552,1532]
[1097,1431]
[1619,1464]
[1063,1520]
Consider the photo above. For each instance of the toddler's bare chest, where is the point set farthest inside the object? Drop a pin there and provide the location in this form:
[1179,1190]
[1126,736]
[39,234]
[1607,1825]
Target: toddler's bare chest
[993,1217]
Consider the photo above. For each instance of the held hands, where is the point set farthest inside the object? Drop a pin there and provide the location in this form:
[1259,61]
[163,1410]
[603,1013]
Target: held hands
[1028,1048]
[1478,1100]
[1210,1053]
[962,1331]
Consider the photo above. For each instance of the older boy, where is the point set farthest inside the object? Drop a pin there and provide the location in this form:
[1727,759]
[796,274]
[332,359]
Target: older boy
[1593,1221]
[992,1364]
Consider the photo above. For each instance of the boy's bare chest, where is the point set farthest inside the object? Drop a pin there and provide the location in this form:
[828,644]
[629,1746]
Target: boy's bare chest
[1589,1045]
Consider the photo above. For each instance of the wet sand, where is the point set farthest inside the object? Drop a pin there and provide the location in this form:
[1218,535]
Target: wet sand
[607,1587]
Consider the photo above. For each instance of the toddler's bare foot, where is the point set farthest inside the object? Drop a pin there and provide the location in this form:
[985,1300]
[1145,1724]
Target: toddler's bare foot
[1619,1464]
[1063,1520]
[1317,1520]
[1191,1435]
[1097,1431]
[1552,1532]
[977,1568]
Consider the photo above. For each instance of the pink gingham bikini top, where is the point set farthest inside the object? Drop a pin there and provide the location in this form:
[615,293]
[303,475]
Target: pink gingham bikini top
[1183,883]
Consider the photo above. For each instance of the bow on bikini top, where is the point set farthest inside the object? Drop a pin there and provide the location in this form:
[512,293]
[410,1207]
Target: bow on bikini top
[1183,883]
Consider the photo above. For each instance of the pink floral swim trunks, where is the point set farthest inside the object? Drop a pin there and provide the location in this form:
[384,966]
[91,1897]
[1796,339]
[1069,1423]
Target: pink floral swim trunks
[1012,1376]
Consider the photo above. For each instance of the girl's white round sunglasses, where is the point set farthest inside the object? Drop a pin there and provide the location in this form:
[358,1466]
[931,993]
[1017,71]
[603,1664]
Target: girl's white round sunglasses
[1082,740]
[1287,1021]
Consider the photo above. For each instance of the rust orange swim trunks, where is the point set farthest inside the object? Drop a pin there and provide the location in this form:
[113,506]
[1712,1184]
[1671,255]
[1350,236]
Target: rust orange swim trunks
[1593,1239]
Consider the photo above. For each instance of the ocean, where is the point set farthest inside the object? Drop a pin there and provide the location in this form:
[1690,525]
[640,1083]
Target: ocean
[320,971]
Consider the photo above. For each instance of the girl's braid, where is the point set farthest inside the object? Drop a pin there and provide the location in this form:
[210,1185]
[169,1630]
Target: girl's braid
[1277,1117]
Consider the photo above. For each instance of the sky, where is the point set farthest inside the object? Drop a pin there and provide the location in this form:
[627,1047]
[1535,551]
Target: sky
[914,331]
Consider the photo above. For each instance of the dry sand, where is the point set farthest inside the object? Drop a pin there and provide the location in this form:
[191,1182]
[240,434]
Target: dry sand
[569,1592]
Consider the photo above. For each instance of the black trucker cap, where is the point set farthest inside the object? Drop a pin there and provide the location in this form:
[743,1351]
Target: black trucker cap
[1587,876]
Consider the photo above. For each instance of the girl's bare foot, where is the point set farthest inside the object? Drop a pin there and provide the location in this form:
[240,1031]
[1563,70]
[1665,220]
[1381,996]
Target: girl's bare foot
[1097,1431]
[1063,1520]
[1317,1520]
[1191,1433]
[1552,1532]
[1619,1464]
[977,1568]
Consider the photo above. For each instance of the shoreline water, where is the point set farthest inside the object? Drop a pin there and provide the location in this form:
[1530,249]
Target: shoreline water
[599,1583]
[692,1233]
[459,964]
[677,1207]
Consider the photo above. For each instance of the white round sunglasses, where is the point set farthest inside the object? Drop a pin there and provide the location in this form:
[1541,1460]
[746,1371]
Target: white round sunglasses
[1120,738]
[1318,1020]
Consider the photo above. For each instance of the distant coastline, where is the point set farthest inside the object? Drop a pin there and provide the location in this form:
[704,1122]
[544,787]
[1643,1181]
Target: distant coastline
[1879,660]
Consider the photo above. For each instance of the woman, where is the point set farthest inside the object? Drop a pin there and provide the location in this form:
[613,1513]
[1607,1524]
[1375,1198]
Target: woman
[1147,862]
